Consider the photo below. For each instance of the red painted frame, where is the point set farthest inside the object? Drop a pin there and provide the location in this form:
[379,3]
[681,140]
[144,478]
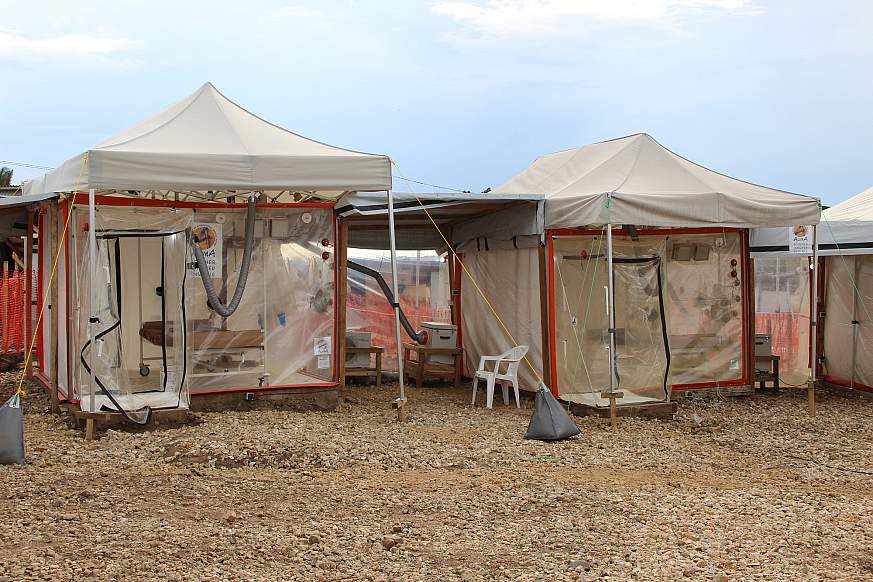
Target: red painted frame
[744,251]
[82,198]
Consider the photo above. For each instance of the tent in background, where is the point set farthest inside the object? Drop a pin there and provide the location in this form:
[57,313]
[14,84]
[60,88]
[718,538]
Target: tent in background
[782,280]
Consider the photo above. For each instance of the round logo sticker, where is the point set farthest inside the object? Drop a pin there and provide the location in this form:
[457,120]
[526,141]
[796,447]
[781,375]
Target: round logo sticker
[206,237]
[800,231]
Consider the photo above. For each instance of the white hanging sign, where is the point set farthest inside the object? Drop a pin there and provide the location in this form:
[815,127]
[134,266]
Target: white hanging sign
[800,240]
[210,241]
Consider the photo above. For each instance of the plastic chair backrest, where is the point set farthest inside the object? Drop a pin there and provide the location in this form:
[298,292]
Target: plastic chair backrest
[515,355]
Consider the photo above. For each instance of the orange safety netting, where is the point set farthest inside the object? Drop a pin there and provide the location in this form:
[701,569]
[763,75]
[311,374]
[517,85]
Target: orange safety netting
[12,284]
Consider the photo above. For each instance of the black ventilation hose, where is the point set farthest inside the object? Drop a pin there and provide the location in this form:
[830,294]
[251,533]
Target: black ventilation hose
[418,336]
[214,302]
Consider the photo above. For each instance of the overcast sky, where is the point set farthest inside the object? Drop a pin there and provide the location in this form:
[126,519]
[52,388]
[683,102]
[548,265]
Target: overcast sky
[465,93]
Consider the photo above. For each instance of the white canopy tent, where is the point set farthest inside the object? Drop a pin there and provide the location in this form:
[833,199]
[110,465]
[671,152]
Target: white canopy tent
[207,147]
[636,181]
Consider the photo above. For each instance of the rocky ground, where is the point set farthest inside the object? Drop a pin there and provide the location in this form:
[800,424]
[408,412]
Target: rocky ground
[734,489]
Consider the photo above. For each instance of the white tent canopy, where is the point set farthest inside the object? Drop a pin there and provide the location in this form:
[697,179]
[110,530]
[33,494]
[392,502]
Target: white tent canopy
[207,142]
[636,180]
[845,229]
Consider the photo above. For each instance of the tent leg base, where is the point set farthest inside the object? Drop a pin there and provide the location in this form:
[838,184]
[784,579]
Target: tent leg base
[399,404]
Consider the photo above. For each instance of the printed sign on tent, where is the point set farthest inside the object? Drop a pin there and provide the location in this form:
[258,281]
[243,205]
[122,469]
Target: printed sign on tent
[322,346]
[210,241]
[800,240]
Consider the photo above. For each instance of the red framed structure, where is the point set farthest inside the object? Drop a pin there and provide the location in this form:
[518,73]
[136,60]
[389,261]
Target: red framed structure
[747,339]
[81,199]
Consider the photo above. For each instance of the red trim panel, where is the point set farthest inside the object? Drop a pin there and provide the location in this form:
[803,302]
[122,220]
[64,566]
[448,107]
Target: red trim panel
[642,232]
[553,353]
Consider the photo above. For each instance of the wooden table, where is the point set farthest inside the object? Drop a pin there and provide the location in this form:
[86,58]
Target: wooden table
[369,371]
[772,375]
[420,368]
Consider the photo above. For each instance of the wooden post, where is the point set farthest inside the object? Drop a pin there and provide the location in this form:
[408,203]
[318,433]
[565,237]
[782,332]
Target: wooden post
[28,292]
[53,215]
[613,407]
[89,429]
[400,405]
[341,255]
[544,314]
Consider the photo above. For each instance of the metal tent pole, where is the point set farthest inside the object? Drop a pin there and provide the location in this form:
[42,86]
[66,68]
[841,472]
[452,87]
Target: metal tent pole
[92,293]
[612,394]
[813,356]
[610,306]
[401,401]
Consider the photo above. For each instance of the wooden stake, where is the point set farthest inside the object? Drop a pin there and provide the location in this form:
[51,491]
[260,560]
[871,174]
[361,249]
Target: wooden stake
[400,405]
[810,394]
[89,429]
[613,407]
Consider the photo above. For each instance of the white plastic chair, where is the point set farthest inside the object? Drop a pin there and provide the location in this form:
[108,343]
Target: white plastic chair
[510,360]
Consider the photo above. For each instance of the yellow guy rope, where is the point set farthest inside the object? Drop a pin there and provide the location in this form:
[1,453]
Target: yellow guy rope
[20,389]
[469,275]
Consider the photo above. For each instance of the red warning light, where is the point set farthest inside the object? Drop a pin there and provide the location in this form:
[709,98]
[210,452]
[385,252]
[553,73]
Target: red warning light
[734,274]
[325,255]
[325,242]
[733,262]
[584,254]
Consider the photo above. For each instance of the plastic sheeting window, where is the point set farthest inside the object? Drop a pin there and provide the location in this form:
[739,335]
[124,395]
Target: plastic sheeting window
[686,287]
[782,295]
[424,296]
[282,334]
[140,275]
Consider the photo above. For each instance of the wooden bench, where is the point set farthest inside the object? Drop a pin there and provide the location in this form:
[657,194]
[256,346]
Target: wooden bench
[368,371]
[420,368]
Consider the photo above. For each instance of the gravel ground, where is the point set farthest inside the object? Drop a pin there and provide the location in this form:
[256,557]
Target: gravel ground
[735,489]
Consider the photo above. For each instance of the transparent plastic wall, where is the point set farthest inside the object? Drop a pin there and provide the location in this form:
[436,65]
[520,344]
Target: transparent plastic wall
[701,290]
[581,321]
[121,281]
[282,334]
[424,296]
[782,295]
[848,346]
[705,307]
